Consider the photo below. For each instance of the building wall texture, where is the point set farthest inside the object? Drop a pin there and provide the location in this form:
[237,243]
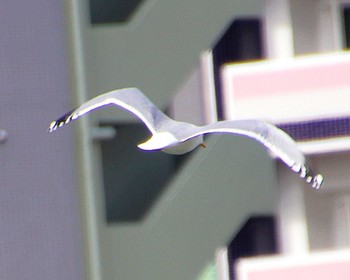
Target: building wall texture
[40,234]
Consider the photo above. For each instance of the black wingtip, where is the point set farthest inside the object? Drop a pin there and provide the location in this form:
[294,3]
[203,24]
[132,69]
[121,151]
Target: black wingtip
[61,121]
[316,181]
[53,126]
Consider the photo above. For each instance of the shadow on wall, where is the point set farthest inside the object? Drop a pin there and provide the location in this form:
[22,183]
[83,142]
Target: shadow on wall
[134,179]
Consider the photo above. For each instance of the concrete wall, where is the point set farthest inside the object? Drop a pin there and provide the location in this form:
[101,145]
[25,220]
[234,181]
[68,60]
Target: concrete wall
[40,236]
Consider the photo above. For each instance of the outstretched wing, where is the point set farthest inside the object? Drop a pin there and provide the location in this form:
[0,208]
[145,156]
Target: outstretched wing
[131,99]
[276,140]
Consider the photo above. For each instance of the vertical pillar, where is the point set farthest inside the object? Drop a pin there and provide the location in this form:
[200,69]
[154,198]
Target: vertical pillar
[341,220]
[292,224]
[279,31]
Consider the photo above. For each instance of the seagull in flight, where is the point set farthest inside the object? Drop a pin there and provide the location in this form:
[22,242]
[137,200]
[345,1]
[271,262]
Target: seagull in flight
[176,137]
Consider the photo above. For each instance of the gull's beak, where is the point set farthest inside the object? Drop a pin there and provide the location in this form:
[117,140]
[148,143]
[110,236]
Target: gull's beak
[158,141]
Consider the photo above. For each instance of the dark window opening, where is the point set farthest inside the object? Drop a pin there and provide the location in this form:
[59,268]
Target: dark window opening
[346,26]
[241,42]
[257,237]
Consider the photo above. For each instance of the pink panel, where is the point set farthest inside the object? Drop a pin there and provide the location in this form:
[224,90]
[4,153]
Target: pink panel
[323,271]
[290,79]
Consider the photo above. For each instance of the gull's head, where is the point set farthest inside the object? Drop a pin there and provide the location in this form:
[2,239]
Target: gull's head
[167,142]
